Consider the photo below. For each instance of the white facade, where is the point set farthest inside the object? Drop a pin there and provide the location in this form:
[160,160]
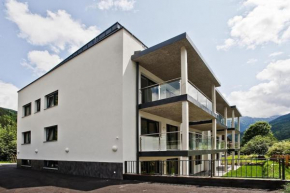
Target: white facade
[95,107]
[97,111]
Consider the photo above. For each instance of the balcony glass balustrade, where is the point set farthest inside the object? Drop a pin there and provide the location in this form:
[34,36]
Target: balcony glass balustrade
[220,119]
[172,141]
[236,145]
[170,89]
[199,96]
[160,141]
[199,142]
[220,145]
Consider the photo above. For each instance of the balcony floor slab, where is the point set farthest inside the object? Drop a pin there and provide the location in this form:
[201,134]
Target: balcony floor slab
[185,153]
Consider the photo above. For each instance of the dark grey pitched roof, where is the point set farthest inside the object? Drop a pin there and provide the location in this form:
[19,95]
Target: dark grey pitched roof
[108,32]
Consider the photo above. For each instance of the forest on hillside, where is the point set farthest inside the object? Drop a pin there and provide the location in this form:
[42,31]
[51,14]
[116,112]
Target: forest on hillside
[8,132]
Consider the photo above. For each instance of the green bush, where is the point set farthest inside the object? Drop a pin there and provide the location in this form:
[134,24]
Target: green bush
[257,145]
[279,148]
[287,188]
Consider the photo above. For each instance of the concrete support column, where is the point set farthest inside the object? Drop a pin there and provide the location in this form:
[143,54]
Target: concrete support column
[184,166]
[239,140]
[184,72]
[226,139]
[233,138]
[239,135]
[213,131]
[185,137]
[185,126]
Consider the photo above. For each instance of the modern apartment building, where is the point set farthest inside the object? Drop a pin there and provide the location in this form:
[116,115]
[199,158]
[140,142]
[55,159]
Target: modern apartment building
[116,100]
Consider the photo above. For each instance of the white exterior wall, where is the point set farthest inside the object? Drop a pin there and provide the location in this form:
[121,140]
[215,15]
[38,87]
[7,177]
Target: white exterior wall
[130,44]
[96,108]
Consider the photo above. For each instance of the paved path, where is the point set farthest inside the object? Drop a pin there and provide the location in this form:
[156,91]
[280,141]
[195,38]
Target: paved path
[21,180]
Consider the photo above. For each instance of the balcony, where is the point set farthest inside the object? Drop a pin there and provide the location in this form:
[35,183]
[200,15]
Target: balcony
[171,141]
[160,141]
[170,89]
[236,145]
[199,142]
[220,119]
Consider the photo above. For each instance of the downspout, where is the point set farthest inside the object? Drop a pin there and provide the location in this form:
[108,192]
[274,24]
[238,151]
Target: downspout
[137,117]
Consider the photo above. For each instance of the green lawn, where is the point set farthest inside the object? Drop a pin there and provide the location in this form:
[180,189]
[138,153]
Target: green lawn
[5,162]
[244,159]
[246,171]
[261,169]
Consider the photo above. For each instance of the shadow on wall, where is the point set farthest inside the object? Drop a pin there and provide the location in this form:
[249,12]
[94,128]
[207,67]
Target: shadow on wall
[12,178]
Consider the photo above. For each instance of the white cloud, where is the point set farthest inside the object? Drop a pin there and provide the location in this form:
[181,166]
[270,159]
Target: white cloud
[228,43]
[267,21]
[252,61]
[124,5]
[270,97]
[58,30]
[41,61]
[8,95]
[275,54]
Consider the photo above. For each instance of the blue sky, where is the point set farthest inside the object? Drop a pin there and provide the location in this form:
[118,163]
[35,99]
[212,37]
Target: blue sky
[245,42]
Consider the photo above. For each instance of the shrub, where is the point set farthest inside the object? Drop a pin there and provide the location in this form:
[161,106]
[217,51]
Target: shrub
[279,148]
[257,145]
[287,188]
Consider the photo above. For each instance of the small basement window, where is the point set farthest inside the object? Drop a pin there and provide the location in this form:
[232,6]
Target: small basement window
[50,165]
[26,162]
[51,133]
[27,110]
[52,99]
[26,137]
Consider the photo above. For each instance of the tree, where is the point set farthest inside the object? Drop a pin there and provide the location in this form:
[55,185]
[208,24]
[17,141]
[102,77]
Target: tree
[280,148]
[258,145]
[259,128]
[7,142]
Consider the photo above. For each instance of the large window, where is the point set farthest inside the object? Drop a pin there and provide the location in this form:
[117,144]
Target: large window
[172,137]
[37,105]
[150,167]
[147,93]
[197,159]
[172,166]
[149,127]
[26,137]
[51,164]
[51,133]
[52,99]
[27,110]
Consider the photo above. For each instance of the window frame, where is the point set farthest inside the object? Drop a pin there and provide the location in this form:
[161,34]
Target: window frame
[46,135]
[23,137]
[36,105]
[24,110]
[54,100]
[157,124]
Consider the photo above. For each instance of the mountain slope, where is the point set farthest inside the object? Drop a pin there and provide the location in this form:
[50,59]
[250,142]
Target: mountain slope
[281,127]
[7,117]
[247,121]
